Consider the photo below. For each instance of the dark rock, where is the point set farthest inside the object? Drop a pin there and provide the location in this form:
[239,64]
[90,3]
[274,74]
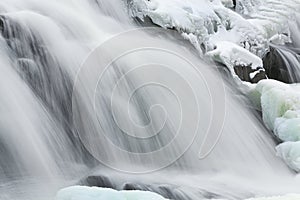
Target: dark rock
[2,24]
[146,22]
[234,3]
[98,181]
[133,186]
[243,72]
[261,74]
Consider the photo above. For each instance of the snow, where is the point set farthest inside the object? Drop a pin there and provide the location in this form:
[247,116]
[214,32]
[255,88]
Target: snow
[280,104]
[212,23]
[97,193]
[253,74]
[280,39]
[286,197]
[232,55]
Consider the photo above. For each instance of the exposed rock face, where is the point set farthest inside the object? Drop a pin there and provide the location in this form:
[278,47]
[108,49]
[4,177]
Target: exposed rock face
[246,73]
[98,181]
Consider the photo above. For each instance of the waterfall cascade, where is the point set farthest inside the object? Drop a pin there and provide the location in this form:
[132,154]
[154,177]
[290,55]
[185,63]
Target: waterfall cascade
[60,121]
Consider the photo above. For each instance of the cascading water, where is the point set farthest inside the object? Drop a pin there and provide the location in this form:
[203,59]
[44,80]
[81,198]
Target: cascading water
[58,119]
[282,63]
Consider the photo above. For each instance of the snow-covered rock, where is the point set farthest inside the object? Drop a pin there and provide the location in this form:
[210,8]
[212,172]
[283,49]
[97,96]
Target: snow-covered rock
[210,21]
[234,56]
[252,25]
[280,105]
[96,193]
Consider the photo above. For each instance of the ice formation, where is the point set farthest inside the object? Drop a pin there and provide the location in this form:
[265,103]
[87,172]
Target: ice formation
[248,24]
[280,104]
[96,193]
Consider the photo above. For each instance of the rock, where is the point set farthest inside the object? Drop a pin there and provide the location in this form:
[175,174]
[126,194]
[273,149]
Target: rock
[246,73]
[98,181]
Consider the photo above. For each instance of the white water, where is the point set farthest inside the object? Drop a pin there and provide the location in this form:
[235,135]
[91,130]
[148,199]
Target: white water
[40,147]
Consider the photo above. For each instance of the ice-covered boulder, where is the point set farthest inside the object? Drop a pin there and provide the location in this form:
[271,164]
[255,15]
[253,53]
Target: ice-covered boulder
[290,153]
[280,105]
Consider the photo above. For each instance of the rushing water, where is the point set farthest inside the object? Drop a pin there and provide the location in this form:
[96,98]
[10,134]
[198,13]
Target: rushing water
[283,63]
[51,137]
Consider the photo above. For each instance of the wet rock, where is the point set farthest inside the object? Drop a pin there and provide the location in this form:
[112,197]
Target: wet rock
[98,181]
[234,3]
[2,24]
[134,186]
[145,22]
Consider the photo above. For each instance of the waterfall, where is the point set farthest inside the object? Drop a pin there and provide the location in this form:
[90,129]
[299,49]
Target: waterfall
[282,63]
[65,117]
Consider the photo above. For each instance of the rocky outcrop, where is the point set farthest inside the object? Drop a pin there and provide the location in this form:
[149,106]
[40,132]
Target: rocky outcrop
[247,73]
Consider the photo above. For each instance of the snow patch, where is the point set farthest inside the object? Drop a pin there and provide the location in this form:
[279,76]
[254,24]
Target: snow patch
[232,55]
[286,197]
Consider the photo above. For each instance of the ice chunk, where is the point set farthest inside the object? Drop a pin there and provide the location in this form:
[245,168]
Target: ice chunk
[290,153]
[280,104]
